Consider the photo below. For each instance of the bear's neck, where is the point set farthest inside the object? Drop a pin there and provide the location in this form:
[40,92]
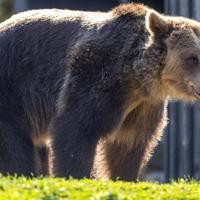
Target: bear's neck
[143,65]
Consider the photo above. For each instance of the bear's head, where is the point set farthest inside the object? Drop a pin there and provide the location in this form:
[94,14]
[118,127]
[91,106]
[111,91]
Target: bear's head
[180,76]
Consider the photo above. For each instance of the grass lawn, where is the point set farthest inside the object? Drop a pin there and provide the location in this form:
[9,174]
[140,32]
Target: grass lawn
[54,188]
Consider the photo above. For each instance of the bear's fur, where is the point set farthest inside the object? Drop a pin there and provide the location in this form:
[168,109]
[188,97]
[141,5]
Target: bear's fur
[95,84]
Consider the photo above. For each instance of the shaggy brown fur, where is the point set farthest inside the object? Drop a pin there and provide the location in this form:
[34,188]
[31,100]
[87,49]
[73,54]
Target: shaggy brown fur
[94,85]
[124,152]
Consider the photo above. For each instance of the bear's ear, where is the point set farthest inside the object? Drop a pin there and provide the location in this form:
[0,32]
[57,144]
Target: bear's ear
[156,24]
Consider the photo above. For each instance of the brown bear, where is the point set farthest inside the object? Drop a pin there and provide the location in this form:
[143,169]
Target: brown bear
[92,85]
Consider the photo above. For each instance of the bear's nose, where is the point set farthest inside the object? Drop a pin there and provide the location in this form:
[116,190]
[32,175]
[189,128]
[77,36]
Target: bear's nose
[195,88]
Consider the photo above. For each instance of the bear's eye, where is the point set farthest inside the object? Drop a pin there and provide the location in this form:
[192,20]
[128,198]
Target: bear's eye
[193,60]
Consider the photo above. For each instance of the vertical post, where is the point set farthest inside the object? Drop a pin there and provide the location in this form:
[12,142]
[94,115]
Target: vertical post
[167,155]
[195,9]
[171,145]
[196,139]
[196,108]
[191,154]
[186,140]
[20,5]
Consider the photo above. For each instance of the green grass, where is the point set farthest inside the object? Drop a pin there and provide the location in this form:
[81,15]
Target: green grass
[53,189]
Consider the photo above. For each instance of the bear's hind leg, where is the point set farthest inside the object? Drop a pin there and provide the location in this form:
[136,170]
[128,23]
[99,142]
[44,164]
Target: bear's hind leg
[16,147]
[72,148]
[43,160]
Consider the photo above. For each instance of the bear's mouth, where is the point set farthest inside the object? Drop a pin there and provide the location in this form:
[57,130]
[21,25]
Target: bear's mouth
[196,91]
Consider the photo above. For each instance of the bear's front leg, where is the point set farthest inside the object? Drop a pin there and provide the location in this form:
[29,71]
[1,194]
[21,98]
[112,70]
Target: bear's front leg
[122,155]
[78,128]
[117,161]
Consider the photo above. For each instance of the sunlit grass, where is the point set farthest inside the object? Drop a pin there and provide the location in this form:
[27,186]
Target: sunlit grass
[54,188]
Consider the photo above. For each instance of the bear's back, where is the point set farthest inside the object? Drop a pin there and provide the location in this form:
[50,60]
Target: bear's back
[46,33]
[56,16]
